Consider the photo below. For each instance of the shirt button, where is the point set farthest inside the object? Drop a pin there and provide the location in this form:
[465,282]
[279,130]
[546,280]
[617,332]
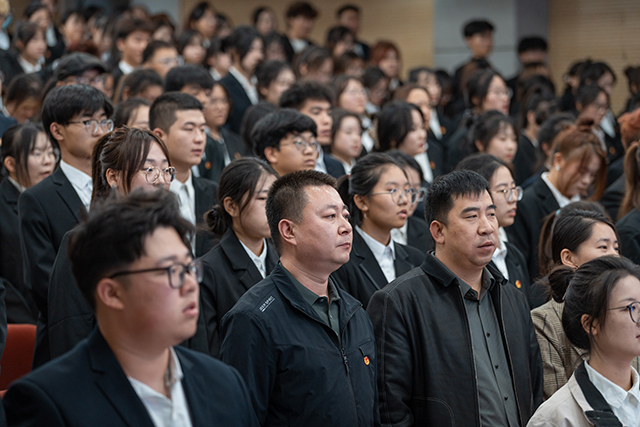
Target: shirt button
[496,366]
[488,334]
[506,398]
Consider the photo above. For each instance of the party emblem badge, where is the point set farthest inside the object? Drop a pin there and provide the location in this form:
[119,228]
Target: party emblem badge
[207,165]
[366,360]
[518,284]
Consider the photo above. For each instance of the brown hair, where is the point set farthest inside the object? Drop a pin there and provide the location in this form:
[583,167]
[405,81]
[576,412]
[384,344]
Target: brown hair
[403,92]
[380,49]
[629,127]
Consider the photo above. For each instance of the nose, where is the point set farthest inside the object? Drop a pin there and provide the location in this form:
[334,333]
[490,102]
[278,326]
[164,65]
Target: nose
[486,225]
[190,283]
[200,136]
[345,227]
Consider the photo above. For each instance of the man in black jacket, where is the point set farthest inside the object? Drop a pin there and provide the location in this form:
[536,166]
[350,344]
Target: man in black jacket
[305,347]
[455,342]
[132,262]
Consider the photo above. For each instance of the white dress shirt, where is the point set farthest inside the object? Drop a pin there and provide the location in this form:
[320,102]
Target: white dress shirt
[187,198]
[425,165]
[562,200]
[166,411]
[80,181]
[400,234]
[298,45]
[125,67]
[248,86]
[51,36]
[320,166]
[434,124]
[259,260]
[624,404]
[500,255]
[385,255]
[5,42]
[28,67]
[16,184]
[367,140]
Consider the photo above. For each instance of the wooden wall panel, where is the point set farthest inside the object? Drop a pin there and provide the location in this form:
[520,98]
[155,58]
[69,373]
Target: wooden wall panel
[407,22]
[596,29]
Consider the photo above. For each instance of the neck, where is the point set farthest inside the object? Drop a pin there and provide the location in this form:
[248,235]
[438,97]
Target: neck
[29,60]
[255,244]
[183,174]
[616,371]
[242,71]
[471,276]
[345,159]
[145,363]
[553,176]
[380,235]
[215,132]
[318,283]
[81,164]
[531,131]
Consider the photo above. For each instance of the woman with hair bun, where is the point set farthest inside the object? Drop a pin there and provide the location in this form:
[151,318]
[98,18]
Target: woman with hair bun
[244,256]
[578,236]
[601,318]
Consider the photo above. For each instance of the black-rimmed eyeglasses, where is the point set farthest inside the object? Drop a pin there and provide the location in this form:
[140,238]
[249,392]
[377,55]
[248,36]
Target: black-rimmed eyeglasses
[176,272]
[634,310]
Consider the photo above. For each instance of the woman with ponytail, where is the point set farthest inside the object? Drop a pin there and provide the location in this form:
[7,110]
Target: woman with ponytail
[379,197]
[601,319]
[244,256]
[578,169]
[122,161]
[577,236]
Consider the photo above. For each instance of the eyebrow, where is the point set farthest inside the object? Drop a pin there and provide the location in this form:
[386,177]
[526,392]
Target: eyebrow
[187,255]
[606,239]
[193,124]
[470,209]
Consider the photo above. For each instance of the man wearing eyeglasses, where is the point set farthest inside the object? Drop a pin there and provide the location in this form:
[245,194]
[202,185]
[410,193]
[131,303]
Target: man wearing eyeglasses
[287,140]
[132,262]
[455,340]
[74,117]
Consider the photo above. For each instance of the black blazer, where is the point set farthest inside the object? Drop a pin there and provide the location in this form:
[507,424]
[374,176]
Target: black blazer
[228,274]
[239,100]
[206,193]
[437,154]
[419,235]
[613,196]
[213,159]
[525,160]
[629,232]
[537,202]
[87,386]
[333,166]
[20,305]
[362,275]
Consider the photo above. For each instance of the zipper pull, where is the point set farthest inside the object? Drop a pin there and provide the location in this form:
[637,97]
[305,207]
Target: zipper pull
[345,360]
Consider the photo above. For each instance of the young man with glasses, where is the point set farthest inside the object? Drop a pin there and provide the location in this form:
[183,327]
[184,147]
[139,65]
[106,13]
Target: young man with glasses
[178,120]
[287,140]
[132,262]
[160,56]
[74,117]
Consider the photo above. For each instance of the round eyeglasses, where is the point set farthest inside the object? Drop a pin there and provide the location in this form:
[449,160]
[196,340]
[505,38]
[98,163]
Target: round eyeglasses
[176,272]
[634,310]
[397,195]
[43,155]
[152,174]
[302,144]
[511,194]
[93,124]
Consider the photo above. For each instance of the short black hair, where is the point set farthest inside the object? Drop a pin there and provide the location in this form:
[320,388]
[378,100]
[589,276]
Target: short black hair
[127,26]
[347,7]
[444,189]
[372,75]
[64,102]
[252,116]
[23,87]
[273,127]
[414,73]
[240,40]
[124,109]
[287,198]
[197,12]
[163,110]
[476,26]
[32,8]
[267,72]
[592,72]
[138,81]
[532,43]
[487,126]
[297,95]
[394,123]
[482,163]
[186,38]
[588,93]
[337,34]
[183,75]
[153,46]
[255,15]
[69,13]
[114,235]
[301,8]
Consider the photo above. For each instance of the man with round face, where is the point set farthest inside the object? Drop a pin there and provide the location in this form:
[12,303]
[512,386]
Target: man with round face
[132,262]
[296,334]
[454,331]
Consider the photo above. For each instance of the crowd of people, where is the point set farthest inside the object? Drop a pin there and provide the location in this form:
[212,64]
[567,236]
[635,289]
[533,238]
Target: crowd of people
[354,248]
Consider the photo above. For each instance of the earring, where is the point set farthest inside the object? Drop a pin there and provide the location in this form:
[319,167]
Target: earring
[557,168]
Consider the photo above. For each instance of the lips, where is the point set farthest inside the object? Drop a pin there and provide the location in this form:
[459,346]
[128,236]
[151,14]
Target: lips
[487,245]
[191,309]
[403,213]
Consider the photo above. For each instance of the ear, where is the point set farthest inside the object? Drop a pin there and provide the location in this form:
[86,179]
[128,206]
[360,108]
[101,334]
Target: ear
[10,164]
[558,160]
[120,44]
[56,131]
[591,328]
[263,91]
[303,69]
[287,231]
[271,154]
[109,292]
[566,257]
[361,202]
[479,146]
[112,177]
[125,93]
[231,207]
[437,231]
[160,134]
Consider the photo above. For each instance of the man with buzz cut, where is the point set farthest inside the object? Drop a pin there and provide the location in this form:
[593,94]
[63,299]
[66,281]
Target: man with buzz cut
[455,340]
[305,347]
[132,262]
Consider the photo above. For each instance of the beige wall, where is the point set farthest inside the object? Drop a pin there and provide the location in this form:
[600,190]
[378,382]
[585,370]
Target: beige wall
[407,22]
[607,30]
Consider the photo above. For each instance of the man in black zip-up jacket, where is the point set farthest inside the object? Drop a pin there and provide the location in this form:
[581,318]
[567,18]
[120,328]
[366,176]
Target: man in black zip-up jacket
[456,345]
[305,348]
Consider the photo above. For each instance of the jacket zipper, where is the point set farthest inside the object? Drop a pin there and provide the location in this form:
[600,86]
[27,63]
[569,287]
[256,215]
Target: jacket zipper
[506,344]
[470,342]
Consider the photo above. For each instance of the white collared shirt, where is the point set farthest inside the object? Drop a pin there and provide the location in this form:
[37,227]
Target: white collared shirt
[259,260]
[80,181]
[347,166]
[320,166]
[215,74]
[562,200]
[500,254]
[400,234]
[28,67]
[51,36]
[187,197]
[425,165]
[248,86]
[16,184]
[223,144]
[367,140]
[434,124]
[298,45]
[624,404]
[5,42]
[166,411]
[385,255]
[125,67]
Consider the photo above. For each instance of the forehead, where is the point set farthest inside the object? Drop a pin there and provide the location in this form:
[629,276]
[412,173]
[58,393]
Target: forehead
[465,201]
[316,103]
[165,242]
[320,196]
[184,116]
[166,51]
[98,113]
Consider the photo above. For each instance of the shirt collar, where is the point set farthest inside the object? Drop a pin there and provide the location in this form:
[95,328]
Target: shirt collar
[256,258]
[613,393]
[310,296]
[242,79]
[125,67]
[29,67]
[377,248]
[75,175]
[561,199]
[16,184]
[176,185]
[487,283]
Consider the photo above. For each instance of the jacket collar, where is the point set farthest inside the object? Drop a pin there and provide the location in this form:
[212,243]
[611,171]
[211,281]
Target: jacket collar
[436,270]
[592,402]
[10,193]
[68,194]
[240,261]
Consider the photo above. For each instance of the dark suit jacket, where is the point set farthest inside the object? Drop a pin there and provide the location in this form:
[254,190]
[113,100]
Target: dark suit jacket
[525,161]
[362,275]
[419,235]
[228,274]
[536,204]
[334,167]
[239,99]
[213,159]
[206,192]
[20,306]
[629,232]
[613,195]
[87,386]
[437,154]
